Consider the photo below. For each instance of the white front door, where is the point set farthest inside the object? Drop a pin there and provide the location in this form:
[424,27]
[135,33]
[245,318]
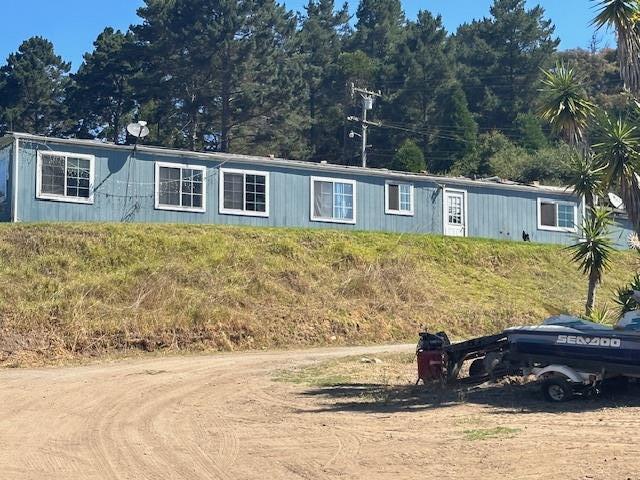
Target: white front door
[455,213]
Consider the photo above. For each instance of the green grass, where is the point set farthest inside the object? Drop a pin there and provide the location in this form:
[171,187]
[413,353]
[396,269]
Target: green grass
[490,433]
[76,291]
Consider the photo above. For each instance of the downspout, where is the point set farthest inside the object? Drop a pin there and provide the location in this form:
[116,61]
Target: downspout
[16,152]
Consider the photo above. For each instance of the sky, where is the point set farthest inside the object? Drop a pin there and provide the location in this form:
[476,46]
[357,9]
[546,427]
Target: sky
[73,25]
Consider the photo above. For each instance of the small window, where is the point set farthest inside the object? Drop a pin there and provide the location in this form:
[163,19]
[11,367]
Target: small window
[398,198]
[180,187]
[65,177]
[333,200]
[244,192]
[556,215]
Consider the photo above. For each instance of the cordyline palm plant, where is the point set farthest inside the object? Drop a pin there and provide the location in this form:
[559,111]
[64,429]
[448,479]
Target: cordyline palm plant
[593,251]
[586,177]
[565,104]
[623,16]
[625,296]
[617,153]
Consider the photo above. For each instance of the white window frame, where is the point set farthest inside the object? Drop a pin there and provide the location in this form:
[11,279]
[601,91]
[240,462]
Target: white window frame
[313,216]
[406,213]
[178,208]
[243,212]
[65,198]
[573,229]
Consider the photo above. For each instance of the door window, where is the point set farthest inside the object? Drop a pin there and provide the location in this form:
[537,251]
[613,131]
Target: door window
[455,210]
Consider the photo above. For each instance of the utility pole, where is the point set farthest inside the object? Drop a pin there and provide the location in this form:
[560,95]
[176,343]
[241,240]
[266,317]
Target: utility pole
[368,98]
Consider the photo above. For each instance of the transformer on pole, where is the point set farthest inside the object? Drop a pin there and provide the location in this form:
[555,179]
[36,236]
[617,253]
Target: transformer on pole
[368,98]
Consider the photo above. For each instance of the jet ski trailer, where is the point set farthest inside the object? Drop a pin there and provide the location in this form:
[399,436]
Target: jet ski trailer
[569,355]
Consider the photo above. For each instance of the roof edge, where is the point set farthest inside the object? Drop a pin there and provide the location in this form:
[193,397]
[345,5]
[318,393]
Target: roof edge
[440,181]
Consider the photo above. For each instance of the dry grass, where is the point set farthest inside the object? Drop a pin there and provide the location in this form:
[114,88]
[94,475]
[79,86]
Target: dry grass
[70,291]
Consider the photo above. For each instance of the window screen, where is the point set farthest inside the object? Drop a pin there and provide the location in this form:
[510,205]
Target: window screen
[234,191]
[323,199]
[256,193]
[53,174]
[170,186]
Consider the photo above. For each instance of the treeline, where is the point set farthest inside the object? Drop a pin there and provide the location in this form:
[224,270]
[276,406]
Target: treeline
[249,76]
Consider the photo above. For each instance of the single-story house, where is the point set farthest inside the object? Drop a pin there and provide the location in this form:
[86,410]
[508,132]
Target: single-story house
[68,180]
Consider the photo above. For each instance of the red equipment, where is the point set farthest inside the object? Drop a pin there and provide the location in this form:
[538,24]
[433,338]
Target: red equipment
[429,353]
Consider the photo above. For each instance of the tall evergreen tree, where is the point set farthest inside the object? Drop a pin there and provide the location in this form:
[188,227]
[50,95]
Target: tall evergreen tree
[379,27]
[34,83]
[226,69]
[455,136]
[425,98]
[103,96]
[321,40]
[500,60]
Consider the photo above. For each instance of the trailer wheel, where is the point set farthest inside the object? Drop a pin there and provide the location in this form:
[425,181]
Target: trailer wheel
[557,389]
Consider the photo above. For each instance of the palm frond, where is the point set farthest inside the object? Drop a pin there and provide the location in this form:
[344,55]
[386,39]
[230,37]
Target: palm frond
[617,151]
[623,16]
[565,104]
[594,250]
[586,177]
[624,296]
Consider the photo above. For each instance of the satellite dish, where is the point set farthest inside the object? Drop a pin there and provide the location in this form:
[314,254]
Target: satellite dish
[138,130]
[616,201]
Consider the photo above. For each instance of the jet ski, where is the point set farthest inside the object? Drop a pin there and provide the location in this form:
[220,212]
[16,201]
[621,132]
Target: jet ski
[580,344]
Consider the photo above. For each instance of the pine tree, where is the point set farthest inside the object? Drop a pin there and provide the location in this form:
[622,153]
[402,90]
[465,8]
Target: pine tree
[321,40]
[409,158]
[379,27]
[34,83]
[456,135]
[103,96]
[500,60]
[225,67]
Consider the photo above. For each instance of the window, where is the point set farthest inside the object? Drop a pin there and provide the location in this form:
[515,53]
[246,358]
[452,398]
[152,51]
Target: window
[557,215]
[455,209]
[333,200]
[65,177]
[244,192]
[398,198]
[180,187]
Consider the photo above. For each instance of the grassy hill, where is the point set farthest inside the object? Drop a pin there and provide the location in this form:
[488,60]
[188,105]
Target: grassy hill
[69,291]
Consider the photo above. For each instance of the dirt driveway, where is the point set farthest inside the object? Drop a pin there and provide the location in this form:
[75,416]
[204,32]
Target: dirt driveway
[223,417]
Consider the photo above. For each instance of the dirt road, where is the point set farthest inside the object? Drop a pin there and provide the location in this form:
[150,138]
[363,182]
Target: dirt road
[223,417]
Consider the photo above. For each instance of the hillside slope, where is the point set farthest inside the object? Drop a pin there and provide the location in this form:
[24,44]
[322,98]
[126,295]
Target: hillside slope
[81,290]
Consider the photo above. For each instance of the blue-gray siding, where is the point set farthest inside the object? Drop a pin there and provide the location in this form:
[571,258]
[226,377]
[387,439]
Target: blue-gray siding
[124,191]
[6,155]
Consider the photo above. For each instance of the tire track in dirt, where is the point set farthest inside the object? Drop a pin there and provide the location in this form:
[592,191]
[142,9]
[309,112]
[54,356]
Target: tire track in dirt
[222,417]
